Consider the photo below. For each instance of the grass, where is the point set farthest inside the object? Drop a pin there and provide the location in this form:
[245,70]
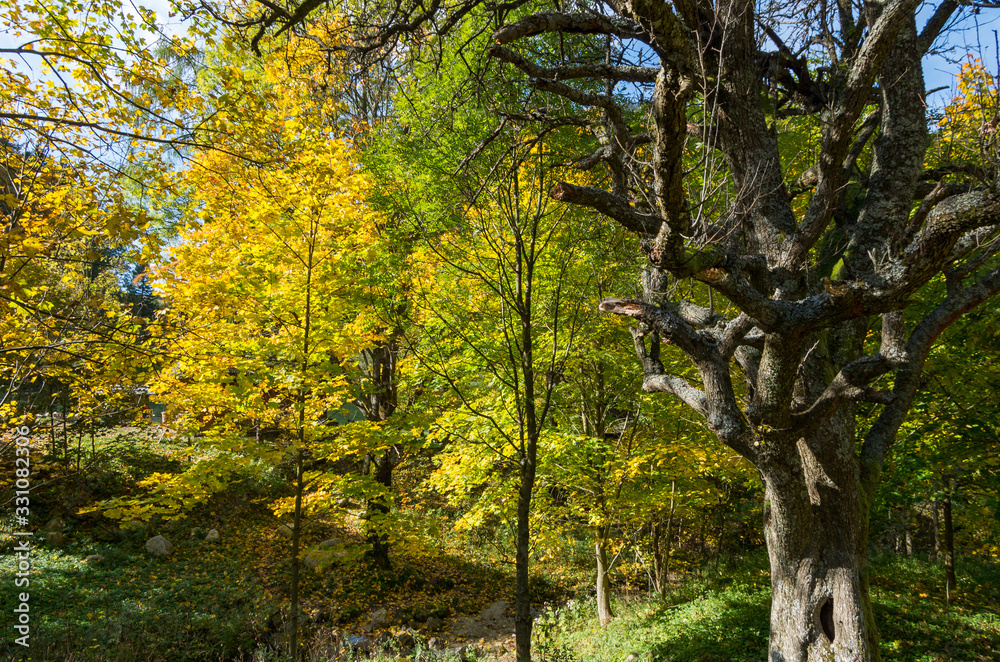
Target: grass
[202,603]
[725,617]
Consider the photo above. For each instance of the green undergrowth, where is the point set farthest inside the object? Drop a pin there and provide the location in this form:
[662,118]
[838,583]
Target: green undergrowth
[723,616]
[224,601]
[201,603]
[919,621]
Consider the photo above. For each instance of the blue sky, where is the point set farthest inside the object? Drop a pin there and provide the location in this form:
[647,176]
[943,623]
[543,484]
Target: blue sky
[970,33]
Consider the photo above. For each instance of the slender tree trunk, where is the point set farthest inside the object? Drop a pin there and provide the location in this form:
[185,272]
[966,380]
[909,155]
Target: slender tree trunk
[701,544]
[815,524]
[936,554]
[65,430]
[378,510]
[293,620]
[522,597]
[52,428]
[380,406]
[949,540]
[656,534]
[293,617]
[604,613]
[670,538]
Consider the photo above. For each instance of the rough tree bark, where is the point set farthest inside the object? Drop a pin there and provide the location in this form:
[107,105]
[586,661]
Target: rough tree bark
[782,366]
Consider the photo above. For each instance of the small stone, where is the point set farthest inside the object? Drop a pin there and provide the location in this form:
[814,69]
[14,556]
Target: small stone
[380,619]
[212,536]
[433,643]
[632,657]
[55,538]
[159,546]
[55,524]
[313,561]
[331,543]
[285,531]
[434,624]
[93,558]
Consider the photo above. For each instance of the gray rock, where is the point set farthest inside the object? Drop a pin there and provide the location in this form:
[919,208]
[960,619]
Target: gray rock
[632,657]
[494,611]
[55,538]
[55,524]
[93,558]
[331,543]
[314,561]
[285,531]
[380,619]
[212,536]
[433,643]
[320,559]
[434,624]
[159,546]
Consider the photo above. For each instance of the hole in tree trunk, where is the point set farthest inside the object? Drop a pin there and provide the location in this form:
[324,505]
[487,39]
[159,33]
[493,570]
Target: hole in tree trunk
[826,619]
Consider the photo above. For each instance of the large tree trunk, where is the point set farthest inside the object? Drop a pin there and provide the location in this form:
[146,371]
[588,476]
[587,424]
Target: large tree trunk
[815,524]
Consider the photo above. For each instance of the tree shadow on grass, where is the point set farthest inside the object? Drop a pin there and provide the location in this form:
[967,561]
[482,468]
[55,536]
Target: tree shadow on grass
[722,630]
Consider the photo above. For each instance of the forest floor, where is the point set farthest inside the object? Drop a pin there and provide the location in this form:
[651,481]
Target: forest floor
[224,600]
